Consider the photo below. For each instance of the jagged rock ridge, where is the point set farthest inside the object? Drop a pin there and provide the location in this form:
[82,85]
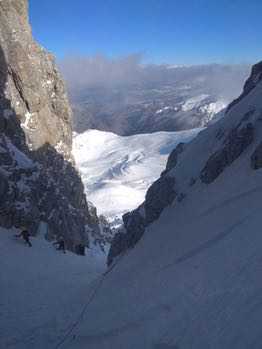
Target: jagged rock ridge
[37,171]
[252,81]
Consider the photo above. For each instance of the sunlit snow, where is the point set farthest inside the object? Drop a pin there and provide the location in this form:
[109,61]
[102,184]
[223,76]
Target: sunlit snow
[117,171]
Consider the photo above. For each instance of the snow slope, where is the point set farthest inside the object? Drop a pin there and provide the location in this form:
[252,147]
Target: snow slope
[117,171]
[42,291]
[198,286]
[193,280]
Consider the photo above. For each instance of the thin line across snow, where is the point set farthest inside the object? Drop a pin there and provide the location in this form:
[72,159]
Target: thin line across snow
[206,245]
[231,200]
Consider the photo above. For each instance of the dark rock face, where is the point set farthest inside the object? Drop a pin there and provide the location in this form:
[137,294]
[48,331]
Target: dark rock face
[173,157]
[252,81]
[61,198]
[18,176]
[118,246]
[237,141]
[37,174]
[135,227]
[161,194]
[256,158]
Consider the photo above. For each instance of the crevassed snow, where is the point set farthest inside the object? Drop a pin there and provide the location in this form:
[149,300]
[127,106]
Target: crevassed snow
[117,171]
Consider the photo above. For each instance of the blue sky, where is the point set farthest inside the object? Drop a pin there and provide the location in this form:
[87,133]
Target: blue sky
[165,31]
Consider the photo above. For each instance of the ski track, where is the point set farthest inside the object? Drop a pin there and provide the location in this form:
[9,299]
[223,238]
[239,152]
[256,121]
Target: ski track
[155,312]
[231,200]
[206,245]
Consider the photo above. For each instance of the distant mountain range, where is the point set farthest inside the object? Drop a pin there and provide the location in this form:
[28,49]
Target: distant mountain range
[158,98]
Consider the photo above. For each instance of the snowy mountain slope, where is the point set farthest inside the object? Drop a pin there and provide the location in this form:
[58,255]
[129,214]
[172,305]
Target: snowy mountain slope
[193,280]
[117,171]
[195,287]
[42,290]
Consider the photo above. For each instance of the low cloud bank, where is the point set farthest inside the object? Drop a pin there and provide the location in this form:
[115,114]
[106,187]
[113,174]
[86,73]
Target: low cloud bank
[99,71]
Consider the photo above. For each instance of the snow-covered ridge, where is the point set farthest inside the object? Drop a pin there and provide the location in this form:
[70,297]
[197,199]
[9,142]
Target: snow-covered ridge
[117,171]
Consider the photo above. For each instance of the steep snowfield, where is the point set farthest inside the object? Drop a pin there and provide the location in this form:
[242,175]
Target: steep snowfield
[117,171]
[192,282]
[194,279]
[42,291]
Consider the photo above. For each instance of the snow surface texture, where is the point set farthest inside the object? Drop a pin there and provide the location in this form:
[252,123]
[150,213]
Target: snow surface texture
[42,290]
[193,280]
[117,171]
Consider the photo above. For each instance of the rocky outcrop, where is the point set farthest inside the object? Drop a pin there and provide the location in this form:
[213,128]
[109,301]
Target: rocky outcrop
[33,84]
[160,195]
[252,81]
[134,228]
[173,157]
[236,142]
[37,173]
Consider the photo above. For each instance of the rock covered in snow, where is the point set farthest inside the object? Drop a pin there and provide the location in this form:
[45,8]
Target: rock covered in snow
[254,78]
[173,157]
[237,141]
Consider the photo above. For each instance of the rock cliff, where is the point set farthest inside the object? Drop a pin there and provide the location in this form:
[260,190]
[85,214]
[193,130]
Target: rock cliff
[38,181]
